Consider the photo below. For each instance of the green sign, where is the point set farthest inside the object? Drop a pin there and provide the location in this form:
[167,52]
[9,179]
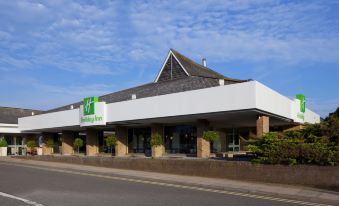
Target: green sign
[302,100]
[89,105]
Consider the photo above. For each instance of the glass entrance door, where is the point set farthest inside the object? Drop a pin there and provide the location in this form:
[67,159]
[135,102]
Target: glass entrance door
[233,140]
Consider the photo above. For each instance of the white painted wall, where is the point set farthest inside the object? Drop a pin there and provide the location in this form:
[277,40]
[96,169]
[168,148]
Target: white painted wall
[311,117]
[216,99]
[275,103]
[271,101]
[50,120]
[9,128]
[241,96]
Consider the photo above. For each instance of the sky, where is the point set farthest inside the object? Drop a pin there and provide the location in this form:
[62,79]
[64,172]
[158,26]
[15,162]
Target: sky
[57,52]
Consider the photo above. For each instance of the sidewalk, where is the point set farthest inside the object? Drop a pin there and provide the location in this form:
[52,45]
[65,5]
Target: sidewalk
[296,192]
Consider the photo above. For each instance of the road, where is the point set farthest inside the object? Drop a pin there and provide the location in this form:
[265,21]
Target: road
[41,186]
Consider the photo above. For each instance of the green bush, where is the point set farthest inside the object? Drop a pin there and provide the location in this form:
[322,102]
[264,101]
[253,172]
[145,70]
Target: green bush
[78,143]
[272,149]
[31,144]
[3,142]
[315,144]
[50,143]
[156,140]
[210,136]
[111,141]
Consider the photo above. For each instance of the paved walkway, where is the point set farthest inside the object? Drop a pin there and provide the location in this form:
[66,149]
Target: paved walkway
[297,192]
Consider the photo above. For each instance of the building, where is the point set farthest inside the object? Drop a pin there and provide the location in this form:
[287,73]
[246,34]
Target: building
[185,99]
[10,131]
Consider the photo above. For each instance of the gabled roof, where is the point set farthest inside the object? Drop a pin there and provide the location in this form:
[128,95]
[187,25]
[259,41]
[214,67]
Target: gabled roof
[188,66]
[154,89]
[10,115]
[187,74]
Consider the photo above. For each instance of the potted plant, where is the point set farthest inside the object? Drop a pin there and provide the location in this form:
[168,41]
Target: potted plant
[157,145]
[50,145]
[31,144]
[78,142]
[210,136]
[111,141]
[3,147]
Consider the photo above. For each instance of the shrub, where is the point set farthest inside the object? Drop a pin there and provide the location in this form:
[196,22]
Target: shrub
[31,144]
[272,149]
[315,144]
[78,142]
[3,142]
[156,139]
[111,141]
[210,136]
[50,143]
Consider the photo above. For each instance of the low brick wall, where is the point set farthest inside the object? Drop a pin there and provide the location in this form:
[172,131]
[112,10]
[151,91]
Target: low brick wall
[316,176]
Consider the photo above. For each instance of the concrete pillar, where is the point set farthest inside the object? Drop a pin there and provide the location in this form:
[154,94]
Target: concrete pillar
[158,151]
[67,142]
[263,125]
[223,141]
[92,142]
[121,148]
[203,146]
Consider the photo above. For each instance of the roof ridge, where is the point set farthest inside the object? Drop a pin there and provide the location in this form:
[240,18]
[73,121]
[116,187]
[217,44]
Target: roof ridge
[176,53]
[6,107]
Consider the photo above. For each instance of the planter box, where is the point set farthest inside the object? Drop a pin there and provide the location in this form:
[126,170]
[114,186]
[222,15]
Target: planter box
[39,151]
[157,151]
[3,151]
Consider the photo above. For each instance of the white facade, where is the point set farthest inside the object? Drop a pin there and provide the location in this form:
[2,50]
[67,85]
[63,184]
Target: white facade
[9,129]
[250,95]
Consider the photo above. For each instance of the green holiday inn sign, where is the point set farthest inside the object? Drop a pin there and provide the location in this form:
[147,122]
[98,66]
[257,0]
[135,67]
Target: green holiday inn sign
[302,106]
[89,114]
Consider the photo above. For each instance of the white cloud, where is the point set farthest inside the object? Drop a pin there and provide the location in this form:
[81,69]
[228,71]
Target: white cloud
[248,31]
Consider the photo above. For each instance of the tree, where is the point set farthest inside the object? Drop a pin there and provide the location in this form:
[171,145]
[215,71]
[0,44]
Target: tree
[111,141]
[156,140]
[50,143]
[78,142]
[3,142]
[31,144]
[210,136]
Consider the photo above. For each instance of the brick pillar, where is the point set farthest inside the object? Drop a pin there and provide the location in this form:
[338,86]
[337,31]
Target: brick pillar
[263,125]
[92,142]
[45,149]
[67,142]
[158,151]
[203,146]
[121,148]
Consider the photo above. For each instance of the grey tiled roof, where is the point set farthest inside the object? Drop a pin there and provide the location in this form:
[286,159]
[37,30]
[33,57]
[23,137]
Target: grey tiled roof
[195,69]
[199,77]
[156,89]
[9,115]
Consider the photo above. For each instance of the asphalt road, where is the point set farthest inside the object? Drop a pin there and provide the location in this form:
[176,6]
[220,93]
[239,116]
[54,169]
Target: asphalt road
[48,187]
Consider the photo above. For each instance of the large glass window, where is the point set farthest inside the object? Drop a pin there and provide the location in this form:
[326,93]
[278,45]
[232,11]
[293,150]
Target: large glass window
[181,139]
[139,140]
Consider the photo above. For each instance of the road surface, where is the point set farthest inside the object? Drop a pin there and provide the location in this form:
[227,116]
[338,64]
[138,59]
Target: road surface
[28,185]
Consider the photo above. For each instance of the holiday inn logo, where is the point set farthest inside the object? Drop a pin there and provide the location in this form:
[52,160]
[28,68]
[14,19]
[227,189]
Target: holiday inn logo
[302,100]
[92,112]
[302,106]
[89,105]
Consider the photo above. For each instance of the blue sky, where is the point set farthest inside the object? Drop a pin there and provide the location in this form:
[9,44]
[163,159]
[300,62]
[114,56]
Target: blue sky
[58,52]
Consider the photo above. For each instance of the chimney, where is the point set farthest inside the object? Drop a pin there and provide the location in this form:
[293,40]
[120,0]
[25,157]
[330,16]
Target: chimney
[204,62]
[134,96]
